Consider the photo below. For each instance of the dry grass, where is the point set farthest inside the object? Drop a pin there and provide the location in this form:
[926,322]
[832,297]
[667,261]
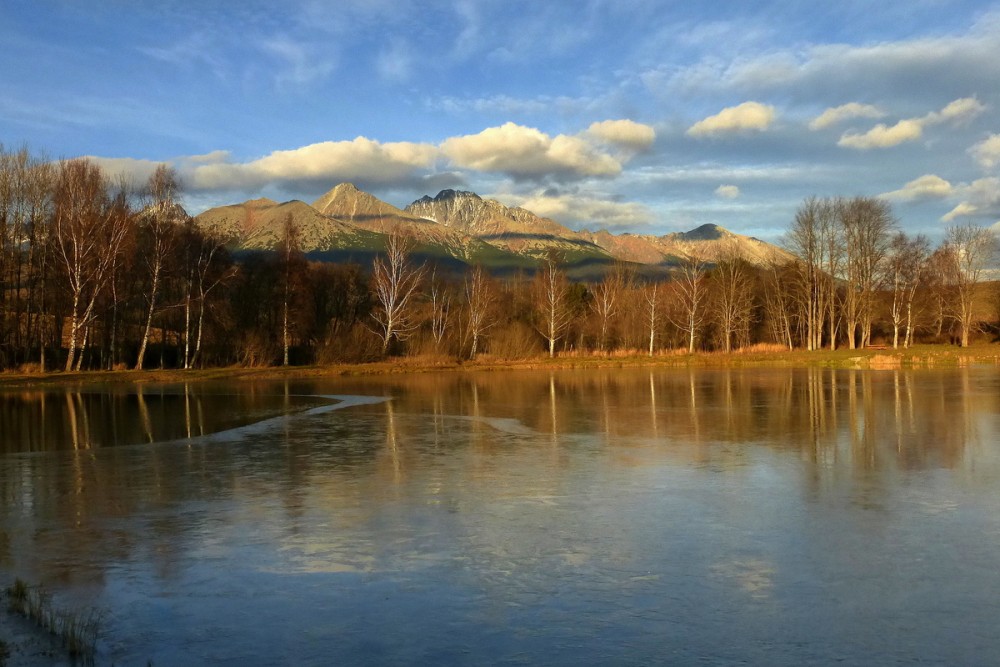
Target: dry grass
[78,630]
[921,356]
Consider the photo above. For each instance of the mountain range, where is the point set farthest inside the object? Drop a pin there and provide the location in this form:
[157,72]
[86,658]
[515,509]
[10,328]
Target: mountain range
[463,228]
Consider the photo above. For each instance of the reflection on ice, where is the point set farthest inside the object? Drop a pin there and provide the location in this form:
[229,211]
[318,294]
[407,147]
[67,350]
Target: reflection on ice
[616,516]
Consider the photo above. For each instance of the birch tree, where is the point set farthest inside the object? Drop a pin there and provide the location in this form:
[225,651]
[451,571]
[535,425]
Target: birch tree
[973,250]
[905,267]
[395,282]
[480,300]
[440,308]
[652,295]
[159,228]
[867,224]
[551,307]
[607,298]
[90,223]
[732,306]
[691,293]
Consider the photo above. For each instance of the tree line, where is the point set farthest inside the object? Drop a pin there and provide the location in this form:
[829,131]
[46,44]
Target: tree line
[99,274]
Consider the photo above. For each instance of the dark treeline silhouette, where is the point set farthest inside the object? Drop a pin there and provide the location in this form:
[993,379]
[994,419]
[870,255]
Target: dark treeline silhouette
[97,274]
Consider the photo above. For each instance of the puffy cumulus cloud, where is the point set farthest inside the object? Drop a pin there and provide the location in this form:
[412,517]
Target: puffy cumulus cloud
[749,116]
[928,186]
[575,210]
[981,200]
[727,191]
[910,129]
[835,115]
[883,136]
[328,162]
[987,152]
[626,133]
[525,152]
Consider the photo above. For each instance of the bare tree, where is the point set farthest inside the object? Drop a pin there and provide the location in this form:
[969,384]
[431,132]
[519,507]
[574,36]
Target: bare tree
[867,224]
[607,297]
[691,292]
[973,249]
[805,242]
[25,210]
[160,229]
[480,299]
[440,308]
[905,267]
[89,226]
[939,279]
[652,294]
[395,281]
[732,310]
[207,267]
[551,307]
[779,301]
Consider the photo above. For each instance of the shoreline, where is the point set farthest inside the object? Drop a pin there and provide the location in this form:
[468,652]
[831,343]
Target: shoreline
[917,357]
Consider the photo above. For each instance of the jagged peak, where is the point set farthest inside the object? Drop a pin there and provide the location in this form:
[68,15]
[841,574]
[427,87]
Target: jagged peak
[340,191]
[455,194]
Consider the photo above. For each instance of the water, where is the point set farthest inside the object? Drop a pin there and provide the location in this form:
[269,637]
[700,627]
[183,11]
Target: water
[780,517]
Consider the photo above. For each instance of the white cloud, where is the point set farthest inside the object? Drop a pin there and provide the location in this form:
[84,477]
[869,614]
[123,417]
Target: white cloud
[741,118]
[727,191]
[944,64]
[525,152]
[575,210]
[135,172]
[982,200]
[960,111]
[987,152]
[883,136]
[927,186]
[910,129]
[330,162]
[835,115]
[625,133]
[962,210]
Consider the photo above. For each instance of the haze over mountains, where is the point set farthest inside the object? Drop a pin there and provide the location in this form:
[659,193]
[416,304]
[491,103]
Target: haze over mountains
[462,226]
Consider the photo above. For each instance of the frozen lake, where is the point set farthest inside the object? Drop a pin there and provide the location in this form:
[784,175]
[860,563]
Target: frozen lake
[782,517]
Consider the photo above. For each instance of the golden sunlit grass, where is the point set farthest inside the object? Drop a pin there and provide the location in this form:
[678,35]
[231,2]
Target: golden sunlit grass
[761,355]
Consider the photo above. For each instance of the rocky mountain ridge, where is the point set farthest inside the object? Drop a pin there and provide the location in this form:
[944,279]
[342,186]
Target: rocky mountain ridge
[465,227]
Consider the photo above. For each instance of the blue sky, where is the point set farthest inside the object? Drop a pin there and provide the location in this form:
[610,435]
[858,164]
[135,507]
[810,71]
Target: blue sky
[631,115]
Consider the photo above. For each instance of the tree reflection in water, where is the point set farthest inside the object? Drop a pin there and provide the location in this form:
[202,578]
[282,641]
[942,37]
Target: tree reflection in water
[509,468]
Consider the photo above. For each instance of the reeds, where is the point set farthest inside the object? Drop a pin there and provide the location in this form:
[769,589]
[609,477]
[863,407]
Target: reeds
[78,629]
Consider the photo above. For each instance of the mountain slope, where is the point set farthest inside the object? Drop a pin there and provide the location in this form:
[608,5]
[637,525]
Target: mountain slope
[348,203]
[515,230]
[463,228]
[259,225]
[710,243]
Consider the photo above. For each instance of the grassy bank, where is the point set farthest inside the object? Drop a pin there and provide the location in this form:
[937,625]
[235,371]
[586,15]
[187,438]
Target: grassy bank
[921,356]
